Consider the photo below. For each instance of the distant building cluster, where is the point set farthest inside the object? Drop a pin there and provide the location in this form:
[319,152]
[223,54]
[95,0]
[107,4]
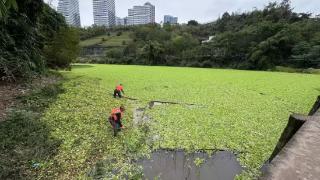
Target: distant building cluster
[70,10]
[170,19]
[121,21]
[104,14]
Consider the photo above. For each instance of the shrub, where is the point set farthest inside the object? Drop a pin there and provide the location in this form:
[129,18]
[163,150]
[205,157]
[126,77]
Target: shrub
[64,49]
[119,33]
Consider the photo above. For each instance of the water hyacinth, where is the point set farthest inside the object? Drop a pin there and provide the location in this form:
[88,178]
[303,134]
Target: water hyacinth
[240,111]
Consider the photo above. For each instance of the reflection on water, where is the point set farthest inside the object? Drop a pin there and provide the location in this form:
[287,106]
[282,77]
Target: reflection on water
[168,165]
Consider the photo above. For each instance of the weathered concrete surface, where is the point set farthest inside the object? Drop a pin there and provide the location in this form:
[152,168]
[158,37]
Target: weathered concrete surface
[297,155]
[294,124]
[300,158]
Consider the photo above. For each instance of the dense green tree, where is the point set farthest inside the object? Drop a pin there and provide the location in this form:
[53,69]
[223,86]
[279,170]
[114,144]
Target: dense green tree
[6,5]
[92,31]
[183,42]
[21,42]
[26,33]
[153,53]
[193,23]
[260,39]
[63,49]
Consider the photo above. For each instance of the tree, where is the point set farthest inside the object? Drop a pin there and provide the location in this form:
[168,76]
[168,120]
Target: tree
[130,50]
[64,48]
[115,53]
[193,23]
[183,42]
[119,33]
[20,41]
[305,54]
[226,16]
[260,39]
[92,31]
[50,22]
[153,52]
[6,5]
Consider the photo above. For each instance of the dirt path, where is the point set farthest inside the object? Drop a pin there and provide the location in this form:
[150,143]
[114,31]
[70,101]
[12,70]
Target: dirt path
[10,91]
[8,95]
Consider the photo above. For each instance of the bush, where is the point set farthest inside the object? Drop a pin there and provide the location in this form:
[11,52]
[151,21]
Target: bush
[206,64]
[32,36]
[64,49]
[21,42]
[115,53]
[296,70]
[119,33]
[193,64]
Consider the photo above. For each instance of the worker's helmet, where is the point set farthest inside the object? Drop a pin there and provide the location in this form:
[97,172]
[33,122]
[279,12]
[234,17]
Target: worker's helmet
[122,108]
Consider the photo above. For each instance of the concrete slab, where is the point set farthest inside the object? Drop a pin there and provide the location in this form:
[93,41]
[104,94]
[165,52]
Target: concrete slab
[300,158]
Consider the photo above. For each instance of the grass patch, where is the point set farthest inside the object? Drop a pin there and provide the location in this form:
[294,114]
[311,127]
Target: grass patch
[107,41]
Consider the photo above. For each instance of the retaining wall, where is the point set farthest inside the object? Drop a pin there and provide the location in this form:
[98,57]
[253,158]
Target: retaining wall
[297,154]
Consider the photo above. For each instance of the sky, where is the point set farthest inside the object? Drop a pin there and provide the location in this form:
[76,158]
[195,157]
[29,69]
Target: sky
[200,10]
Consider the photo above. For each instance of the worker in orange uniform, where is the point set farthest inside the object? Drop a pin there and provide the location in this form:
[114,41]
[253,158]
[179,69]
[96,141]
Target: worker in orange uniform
[118,91]
[115,119]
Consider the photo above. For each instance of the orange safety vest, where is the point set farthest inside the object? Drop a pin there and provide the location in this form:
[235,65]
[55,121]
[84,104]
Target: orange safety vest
[114,113]
[119,88]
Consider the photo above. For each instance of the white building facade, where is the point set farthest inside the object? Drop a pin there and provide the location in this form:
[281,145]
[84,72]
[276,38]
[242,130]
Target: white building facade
[121,21]
[170,19]
[70,10]
[141,14]
[104,13]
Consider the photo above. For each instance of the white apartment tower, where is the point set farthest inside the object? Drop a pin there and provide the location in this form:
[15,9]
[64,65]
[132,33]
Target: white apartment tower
[170,19]
[70,10]
[121,21]
[104,13]
[141,14]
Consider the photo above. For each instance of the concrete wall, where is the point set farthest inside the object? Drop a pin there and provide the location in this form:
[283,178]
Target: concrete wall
[296,155]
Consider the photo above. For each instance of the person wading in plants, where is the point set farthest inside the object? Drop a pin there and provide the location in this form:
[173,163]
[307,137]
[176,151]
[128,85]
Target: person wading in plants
[118,91]
[115,119]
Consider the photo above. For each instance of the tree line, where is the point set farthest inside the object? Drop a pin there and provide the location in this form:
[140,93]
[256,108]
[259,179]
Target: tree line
[33,38]
[260,39]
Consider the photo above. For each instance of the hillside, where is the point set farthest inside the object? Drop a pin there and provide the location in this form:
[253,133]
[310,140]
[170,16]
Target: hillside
[101,45]
[261,39]
[111,40]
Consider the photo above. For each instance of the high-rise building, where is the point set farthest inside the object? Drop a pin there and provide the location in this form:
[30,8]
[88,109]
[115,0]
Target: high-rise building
[170,20]
[141,14]
[70,10]
[104,13]
[121,21]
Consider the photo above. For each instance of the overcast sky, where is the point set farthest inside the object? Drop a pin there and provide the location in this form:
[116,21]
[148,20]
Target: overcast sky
[200,10]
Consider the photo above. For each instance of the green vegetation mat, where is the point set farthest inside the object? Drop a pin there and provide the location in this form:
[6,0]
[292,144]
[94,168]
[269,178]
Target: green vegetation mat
[241,111]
